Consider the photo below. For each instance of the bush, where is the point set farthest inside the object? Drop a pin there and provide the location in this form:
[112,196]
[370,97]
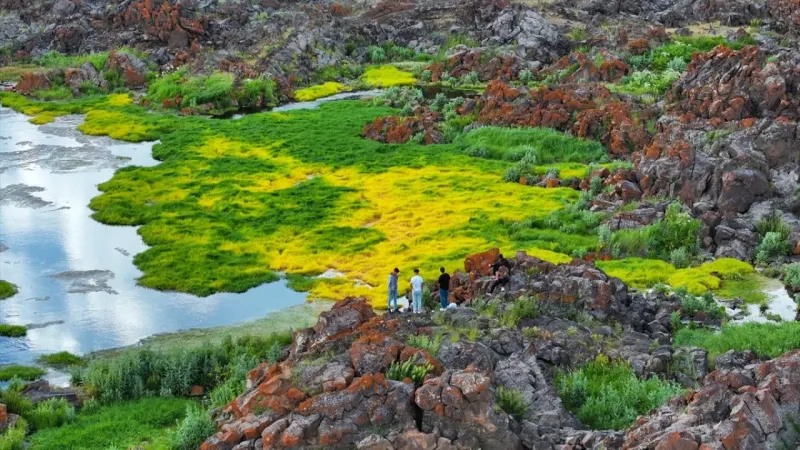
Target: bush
[376,54]
[399,371]
[525,76]
[12,330]
[765,339]
[15,402]
[773,245]
[692,304]
[647,82]
[676,230]
[523,308]
[773,223]
[14,438]
[26,373]
[7,289]
[196,427]
[427,343]
[52,413]
[608,395]
[680,258]
[791,276]
[512,402]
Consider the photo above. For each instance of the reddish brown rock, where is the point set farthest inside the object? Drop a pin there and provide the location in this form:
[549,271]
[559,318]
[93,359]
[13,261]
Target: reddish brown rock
[32,81]
[481,263]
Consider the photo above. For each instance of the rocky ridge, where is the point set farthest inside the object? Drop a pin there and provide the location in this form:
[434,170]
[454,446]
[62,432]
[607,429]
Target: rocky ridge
[332,391]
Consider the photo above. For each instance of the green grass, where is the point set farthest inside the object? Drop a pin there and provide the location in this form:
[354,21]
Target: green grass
[512,402]
[12,330]
[14,438]
[57,60]
[61,359]
[638,272]
[512,144]
[608,395]
[770,340]
[179,89]
[145,423]
[27,373]
[7,290]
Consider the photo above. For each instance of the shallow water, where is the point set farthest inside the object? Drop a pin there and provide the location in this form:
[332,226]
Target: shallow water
[780,303]
[76,277]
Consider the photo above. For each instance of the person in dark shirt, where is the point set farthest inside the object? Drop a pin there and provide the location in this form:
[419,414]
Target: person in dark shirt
[444,288]
[500,277]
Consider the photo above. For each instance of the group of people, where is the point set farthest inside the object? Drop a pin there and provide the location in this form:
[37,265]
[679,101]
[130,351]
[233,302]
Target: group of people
[500,271]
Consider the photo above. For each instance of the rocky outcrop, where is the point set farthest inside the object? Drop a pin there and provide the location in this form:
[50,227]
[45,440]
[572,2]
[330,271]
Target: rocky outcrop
[425,124]
[750,407]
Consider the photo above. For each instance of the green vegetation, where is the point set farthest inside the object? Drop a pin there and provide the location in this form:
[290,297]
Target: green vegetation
[399,371]
[52,413]
[540,145]
[7,290]
[138,373]
[26,373]
[769,340]
[387,76]
[14,438]
[691,305]
[791,276]
[430,344]
[773,245]
[512,402]
[196,427]
[178,89]
[647,82]
[60,359]
[57,60]
[523,308]
[143,423]
[608,395]
[12,330]
[638,272]
[749,288]
[681,48]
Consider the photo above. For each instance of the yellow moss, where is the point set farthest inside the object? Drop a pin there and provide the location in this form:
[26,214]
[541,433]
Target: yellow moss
[114,124]
[547,255]
[119,100]
[637,272]
[43,118]
[709,276]
[387,76]
[319,91]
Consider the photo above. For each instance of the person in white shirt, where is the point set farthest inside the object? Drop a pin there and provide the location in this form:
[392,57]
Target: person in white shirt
[416,291]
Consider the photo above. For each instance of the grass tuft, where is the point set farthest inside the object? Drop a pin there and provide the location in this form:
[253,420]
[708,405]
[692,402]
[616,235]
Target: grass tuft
[7,290]
[26,373]
[766,339]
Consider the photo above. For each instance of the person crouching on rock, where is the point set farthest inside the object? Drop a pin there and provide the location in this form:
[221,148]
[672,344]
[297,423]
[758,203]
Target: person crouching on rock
[501,270]
[444,288]
[416,291]
[393,289]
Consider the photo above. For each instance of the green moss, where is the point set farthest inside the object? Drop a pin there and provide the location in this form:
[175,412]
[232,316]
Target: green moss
[12,330]
[710,276]
[769,340]
[145,423]
[26,373]
[60,359]
[749,288]
[7,290]
[301,283]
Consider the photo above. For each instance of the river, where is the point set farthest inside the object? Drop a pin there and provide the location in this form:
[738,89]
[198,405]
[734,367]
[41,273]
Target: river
[76,278]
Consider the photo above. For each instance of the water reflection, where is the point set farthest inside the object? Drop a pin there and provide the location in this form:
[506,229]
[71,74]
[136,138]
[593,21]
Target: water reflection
[50,232]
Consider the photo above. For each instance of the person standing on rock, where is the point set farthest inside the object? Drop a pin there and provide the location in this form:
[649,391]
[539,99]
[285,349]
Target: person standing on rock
[416,291]
[444,288]
[501,270]
[393,289]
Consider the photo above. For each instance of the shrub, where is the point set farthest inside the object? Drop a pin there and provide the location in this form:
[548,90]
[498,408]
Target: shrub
[791,276]
[26,373]
[677,64]
[773,245]
[471,78]
[647,82]
[523,308]
[15,402]
[12,330]
[399,371]
[773,223]
[426,76]
[765,339]
[14,438]
[427,343]
[7,289]
[692,305]
[525,76]
[512,402]
[676,230]
[680,258]
[52,413]
[376,54]
[608,395]
[196,427]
